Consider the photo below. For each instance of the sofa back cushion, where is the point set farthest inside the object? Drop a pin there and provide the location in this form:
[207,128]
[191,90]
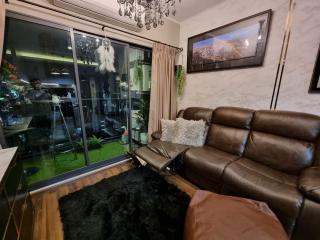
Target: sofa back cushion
[230,129]
[283,140]
[197,113]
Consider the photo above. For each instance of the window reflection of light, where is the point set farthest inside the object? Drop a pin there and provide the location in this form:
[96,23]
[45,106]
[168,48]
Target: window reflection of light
[24,81]
[69,47]
[50,84]
[259,37]
[247,42]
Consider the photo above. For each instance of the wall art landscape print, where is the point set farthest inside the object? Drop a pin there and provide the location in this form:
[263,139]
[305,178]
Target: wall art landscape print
[238,44]
[315,81]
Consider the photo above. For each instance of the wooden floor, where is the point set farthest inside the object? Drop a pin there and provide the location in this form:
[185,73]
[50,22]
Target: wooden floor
[48,226]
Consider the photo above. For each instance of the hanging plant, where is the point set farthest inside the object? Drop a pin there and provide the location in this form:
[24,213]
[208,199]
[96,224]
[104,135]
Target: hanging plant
[138,73]
[180,79]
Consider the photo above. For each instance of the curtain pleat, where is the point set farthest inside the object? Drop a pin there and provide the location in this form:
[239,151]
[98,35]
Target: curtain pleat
[163,100]
[2,24]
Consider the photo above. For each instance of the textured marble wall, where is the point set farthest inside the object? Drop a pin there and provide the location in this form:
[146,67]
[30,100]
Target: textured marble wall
[252,87]
[302,54]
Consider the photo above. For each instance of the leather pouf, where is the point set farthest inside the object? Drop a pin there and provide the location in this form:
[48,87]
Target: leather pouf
[217,217]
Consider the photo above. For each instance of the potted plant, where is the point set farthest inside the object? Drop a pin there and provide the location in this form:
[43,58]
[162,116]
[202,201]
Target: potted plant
[138,74]
[180,79]
[92,143]
[142,117]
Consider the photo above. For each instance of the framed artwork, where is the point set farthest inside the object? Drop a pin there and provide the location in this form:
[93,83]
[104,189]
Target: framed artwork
[235,45]
[315,80]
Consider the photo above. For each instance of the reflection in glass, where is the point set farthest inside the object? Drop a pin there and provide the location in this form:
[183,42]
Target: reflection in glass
[140,85]
[104,93]
[38,99]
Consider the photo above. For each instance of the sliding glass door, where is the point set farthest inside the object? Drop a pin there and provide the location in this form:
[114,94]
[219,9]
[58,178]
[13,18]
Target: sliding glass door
[38,99]
[140,87]
[103,75]
[70,99]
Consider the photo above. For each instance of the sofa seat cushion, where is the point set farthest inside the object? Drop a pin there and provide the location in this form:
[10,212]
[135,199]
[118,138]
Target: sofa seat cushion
[159,154]
[207,162]
[214,217]
[279,190]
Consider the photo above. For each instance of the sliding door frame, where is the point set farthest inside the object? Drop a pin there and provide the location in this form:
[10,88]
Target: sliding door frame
[87,166]
[76,72]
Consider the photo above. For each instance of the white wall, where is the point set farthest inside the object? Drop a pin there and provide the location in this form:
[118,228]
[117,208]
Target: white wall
[168,33]
[252,87]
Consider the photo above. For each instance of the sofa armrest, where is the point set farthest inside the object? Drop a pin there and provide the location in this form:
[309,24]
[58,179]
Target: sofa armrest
[309,183]
[156,135]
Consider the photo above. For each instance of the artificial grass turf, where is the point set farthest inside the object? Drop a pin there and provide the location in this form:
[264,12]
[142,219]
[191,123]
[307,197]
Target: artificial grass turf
[66,162]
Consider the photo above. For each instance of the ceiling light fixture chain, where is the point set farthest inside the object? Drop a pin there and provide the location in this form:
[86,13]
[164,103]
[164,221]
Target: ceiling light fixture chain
[149,12]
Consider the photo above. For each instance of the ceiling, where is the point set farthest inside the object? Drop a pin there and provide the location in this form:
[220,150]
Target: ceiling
[185,9]
[189,8]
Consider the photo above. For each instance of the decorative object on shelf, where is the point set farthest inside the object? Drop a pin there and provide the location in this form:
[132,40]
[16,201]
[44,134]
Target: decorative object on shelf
[125,135]
[8,71]
[10,85]
[238,44]
[105,57]
[180,78]
[149,12]
[315,80]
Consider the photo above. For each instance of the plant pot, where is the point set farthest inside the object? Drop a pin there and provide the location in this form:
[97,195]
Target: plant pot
[144,138]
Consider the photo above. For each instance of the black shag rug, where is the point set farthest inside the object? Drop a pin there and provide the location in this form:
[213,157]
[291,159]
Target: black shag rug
[135,205]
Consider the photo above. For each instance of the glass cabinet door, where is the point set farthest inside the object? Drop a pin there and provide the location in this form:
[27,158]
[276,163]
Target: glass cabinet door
[103,76]
[38,99]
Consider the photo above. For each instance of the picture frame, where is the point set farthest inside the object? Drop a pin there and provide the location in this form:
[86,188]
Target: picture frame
[235,45]
[315,80]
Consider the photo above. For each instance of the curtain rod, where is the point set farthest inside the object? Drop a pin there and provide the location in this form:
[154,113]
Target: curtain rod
[94,22]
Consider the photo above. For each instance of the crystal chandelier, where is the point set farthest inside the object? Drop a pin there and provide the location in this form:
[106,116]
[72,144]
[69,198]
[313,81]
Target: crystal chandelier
[149,12]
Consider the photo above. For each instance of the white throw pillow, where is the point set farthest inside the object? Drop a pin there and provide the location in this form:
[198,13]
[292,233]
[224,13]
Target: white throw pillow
[168,128]
[190,132]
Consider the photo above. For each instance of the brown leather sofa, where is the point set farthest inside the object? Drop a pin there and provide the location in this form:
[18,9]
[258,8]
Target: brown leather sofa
[269,156]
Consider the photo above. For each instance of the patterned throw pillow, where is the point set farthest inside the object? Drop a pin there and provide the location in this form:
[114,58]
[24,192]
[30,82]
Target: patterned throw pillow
[190,132]
[168,128]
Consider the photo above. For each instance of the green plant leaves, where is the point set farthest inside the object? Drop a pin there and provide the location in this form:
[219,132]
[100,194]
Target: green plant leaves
[180,79]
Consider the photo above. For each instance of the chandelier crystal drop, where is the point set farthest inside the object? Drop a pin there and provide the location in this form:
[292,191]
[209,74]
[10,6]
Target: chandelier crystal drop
[151,13]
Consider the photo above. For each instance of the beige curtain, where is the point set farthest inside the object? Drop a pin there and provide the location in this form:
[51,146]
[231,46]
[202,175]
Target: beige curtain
[2,23]
[163,101]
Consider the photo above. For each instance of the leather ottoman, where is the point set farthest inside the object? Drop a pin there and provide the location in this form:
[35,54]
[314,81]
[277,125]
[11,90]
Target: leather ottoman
[217,217]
